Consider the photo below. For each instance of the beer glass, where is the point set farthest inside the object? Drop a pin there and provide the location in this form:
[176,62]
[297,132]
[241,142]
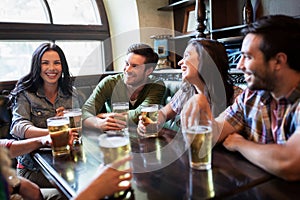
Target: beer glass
[150,118]
[115,146]
[75,124]
[121,108]
[198,137]
[59,132]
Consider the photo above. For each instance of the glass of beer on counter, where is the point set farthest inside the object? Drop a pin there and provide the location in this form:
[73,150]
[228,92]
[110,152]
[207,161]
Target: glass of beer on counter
[198,137]
[115,145]
[150,118]
[75,124]
[122,109]
[59,132]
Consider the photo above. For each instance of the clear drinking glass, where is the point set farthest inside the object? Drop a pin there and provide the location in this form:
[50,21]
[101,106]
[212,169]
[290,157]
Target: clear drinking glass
[59,132]
[75,124]
[198,137]
[115,146]
[150,117]
[122,108]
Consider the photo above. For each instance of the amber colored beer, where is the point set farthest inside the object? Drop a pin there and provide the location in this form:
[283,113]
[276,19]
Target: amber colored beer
[59,132]
[114,148]
[121,108]
[75,123]
[200,139]
[150,117]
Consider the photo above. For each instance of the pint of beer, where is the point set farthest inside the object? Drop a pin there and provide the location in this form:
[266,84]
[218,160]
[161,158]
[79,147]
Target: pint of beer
[122,108]
[114,147]
[199,137]
[59,132]
[75,124]
[150,118]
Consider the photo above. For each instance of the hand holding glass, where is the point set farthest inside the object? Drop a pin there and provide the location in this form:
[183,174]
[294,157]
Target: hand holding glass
[121,108]
[150,119]
[75,124]
[59,132]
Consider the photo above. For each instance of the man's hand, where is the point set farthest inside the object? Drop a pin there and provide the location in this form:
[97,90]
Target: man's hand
[111,121]
[233,141]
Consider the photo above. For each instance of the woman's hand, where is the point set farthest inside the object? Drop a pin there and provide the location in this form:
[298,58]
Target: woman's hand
[60,111]
[144,121]
[45,140]
[141,124]
[197,104]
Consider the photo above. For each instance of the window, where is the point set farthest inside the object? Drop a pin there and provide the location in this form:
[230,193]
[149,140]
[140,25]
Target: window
[18,11]
[79,27]
[78,12]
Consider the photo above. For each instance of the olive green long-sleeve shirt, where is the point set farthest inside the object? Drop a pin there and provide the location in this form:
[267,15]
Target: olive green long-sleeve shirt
[113,89]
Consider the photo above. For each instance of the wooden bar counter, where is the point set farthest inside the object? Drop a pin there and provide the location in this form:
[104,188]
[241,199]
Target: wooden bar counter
[161,171]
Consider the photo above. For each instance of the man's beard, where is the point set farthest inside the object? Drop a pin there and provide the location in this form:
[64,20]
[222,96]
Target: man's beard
[261,83]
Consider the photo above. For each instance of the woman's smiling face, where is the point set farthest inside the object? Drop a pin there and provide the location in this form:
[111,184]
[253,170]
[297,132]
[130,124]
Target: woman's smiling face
[189,63]
[51,68]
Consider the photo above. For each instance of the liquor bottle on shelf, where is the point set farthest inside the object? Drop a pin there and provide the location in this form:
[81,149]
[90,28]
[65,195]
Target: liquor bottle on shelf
[247,12]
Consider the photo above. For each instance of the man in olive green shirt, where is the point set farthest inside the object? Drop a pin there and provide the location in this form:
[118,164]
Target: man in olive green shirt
[134,85]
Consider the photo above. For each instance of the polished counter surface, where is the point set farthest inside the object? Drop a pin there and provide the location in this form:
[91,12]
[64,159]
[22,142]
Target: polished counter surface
[161,171]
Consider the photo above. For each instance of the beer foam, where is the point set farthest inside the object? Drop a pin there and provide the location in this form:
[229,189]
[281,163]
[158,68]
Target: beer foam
[199,129]
[120,107]
[149,109]
[60,122]
[112,142]
[72,113]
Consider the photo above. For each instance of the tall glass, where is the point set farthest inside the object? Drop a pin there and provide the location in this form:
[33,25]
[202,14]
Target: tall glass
[75,124]
[121,108]
[59,132]
[198,138]
[150,118]
[115,146]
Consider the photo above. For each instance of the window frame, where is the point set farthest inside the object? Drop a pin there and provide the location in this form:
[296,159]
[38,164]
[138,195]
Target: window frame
[53,32]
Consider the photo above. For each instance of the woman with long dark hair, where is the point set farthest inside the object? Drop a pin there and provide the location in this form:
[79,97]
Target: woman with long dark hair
[44,92]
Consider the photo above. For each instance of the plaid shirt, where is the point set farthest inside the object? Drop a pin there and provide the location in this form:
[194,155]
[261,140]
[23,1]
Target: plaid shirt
[260,118]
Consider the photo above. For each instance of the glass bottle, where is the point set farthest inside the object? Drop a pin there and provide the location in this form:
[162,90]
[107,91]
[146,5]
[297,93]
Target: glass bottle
[247,12]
